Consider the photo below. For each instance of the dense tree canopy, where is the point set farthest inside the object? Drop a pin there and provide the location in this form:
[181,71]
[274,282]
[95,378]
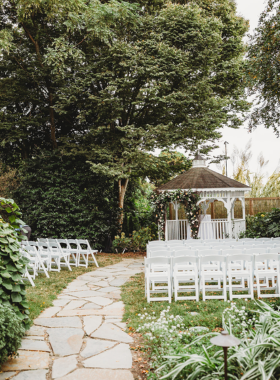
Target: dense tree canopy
[263,69]
[113,81]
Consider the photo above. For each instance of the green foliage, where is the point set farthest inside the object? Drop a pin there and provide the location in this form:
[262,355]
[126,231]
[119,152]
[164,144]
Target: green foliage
[189,198]
[263,68]
[263,224]
[12,264]
[61,198]
[11,333]
[35,34]
[137,242]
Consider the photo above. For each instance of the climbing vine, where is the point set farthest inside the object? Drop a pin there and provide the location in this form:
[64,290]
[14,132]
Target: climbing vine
[190,200]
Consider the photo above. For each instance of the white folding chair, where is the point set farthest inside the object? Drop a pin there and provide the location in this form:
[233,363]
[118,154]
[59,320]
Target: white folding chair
[61,254]
[66,248]
[32,250]
[163,252]
[185,277]
[240,269]
[157,270]
[211,274]
[85,251]
[271,273]
[31,265]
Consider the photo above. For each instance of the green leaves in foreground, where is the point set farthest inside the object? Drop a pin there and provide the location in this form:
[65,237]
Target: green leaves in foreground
[12,264]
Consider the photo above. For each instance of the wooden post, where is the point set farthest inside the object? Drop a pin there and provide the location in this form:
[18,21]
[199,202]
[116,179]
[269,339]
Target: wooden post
[212,211]
[251,209]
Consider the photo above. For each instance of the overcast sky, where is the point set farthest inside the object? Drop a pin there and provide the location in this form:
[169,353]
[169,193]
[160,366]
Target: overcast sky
[263,140]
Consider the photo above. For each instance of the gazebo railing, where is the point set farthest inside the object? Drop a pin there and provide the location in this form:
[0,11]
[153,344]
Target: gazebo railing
[212,229]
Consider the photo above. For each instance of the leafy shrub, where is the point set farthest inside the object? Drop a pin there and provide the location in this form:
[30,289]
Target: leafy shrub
[263,225]
[61,197]
[137,242]
[12,264]
[257,356]
[11,333]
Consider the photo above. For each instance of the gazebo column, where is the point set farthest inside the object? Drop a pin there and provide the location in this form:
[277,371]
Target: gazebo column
[229,209]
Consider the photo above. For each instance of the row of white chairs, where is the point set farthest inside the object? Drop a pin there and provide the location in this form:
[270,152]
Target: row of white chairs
[215,273]
[216,250]
[51,254]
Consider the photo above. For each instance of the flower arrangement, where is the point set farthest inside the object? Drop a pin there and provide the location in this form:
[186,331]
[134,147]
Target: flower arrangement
[190,200]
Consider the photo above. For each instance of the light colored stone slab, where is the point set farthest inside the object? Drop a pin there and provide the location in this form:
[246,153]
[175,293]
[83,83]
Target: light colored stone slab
[36,330]
[118,282]
[102,301]
[27,360]
[66,341]
[6,375]
[84,312]
[34,345]
[92,323]
[115,358]
[112,320]
[98,374]
[112,332]
[75,289]
[39,374]
[65,297]
[108,289]
[59,322]
[63,366]
[90,306]
[50,312]
[122,325]
[86,294]
[96,346]
[101,283]
[61,302]
[74,305]
[32,337]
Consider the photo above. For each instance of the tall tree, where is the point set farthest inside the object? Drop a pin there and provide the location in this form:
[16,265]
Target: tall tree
[263,69]
[173,81]
[28,86]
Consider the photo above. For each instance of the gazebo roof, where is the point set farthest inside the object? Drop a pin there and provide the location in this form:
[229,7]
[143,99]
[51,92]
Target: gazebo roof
[201,177]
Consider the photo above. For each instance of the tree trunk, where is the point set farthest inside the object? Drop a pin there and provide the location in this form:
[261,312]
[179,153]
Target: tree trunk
[122,190]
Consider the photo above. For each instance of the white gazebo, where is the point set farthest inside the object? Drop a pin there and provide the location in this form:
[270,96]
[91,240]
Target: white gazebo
[212,186]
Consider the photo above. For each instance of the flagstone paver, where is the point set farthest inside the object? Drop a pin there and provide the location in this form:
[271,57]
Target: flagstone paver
[116,358]
[6,375]
[63,366]
[39,374]
[66,341]
[96,346]
[82,336]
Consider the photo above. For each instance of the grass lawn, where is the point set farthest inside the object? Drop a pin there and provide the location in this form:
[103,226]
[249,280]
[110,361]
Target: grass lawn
[46,290]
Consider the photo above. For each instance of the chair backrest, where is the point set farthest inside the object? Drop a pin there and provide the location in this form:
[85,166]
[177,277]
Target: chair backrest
[63,243]
[239,257]
[160,253]
[43,245]
[259,259]
[83,244]
[208,252]
[157,261]
[232,251]
[42,240]
[184,260]
[273,250]
[72,242]
[54,245]
[157,242]
[216,258]
[256,250]
[185,252]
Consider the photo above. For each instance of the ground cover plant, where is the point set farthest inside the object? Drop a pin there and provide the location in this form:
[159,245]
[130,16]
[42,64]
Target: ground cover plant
[46,290]
[171,330]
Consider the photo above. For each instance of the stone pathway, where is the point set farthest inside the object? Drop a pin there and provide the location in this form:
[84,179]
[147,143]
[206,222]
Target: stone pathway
[82,336]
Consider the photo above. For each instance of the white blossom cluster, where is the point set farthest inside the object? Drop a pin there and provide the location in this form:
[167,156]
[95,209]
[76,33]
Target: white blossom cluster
[165,328]
[237,320]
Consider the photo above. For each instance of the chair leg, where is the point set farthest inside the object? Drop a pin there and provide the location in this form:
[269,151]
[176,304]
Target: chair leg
[94,259]
[230,286]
